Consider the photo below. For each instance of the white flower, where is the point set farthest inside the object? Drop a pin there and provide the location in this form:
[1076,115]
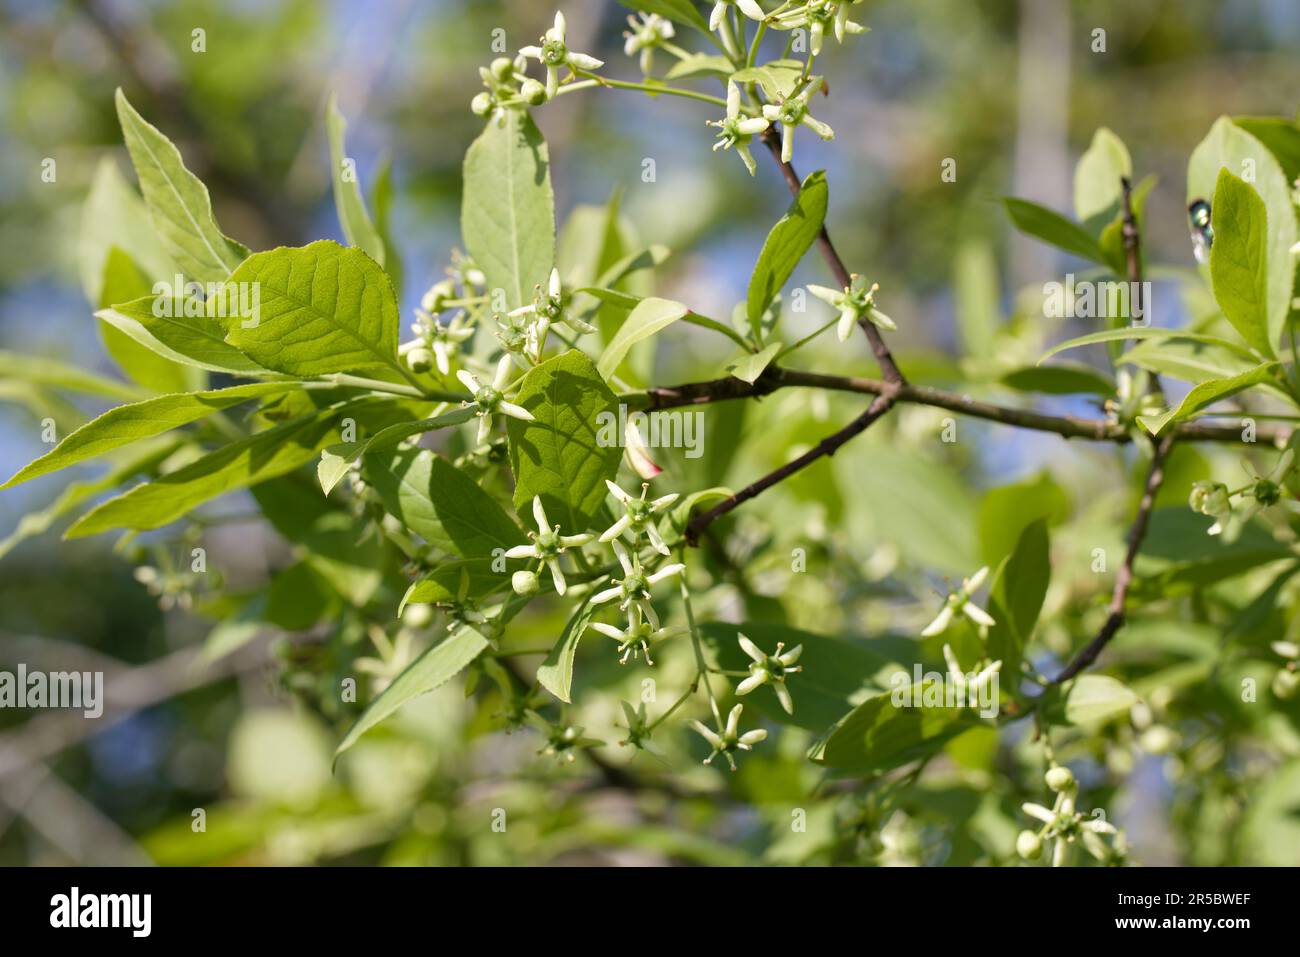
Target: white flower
[749,8]
[440,341]
[638,516]
[770,669]
[735,130]
[642,631]
[635,584]
[958,676]
[959,601]
[793,111]
[490,400]
[816,15]
[547,308]
[727,740]
[649,32]
[854,302]
[637,454]
[553,54]
[548,545]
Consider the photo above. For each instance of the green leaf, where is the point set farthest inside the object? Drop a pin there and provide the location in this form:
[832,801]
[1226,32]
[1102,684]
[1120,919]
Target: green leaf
[1005,512]
[1053,228]
[879,735]
[50,372]
[1098,194]
[779,78]
[699,64]
[555,674]
[650,317]
[679,11]
[401,478]
[455,581]
[194,339]
[568,452]
[1016,598]
[325,308]
[123,280]
[1239,259]
[382,197]
[1187,359]
[115,216]
[508,211]
[1280,136]
[336,460]
[471,517]
[977,299]
[1064,378]
[238,465]
[785,245]
[1091,701]
[836,675]
[1206,394]
[178,202]
[357,226]
[1147,332]
[431,670]
[749,367]
[1227,146]
[141,420]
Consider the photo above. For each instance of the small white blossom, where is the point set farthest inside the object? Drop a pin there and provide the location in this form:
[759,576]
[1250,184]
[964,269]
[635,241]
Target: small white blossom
[727,740]
[546,309]
[816,16]
[770,669]
[749,8]
[737,130]
[638,516]
[642,631]
[648,33]
[490,400]
[548,545]
[854,302]
[959,601]
[635,584]
[793,111]
[553,54]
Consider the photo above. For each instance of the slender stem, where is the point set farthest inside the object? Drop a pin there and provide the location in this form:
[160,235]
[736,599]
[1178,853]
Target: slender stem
[591,80]
[414,391]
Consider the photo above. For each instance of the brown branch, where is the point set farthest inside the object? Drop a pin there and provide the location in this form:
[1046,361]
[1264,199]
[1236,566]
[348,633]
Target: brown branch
[842,276]
[1070,427]
[1124,577]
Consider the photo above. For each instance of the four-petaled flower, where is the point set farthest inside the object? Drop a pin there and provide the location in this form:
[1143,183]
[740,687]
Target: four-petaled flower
[436,343]
[548,545]
[490,400]
[638,728]
[770,669]
[643,630]
[553,54]
[958,676]
[854,302]
[638,516]
[959,601]
[727,740]
[547,308]
[562,741]
[816,15]
[1064,824]
[736,130]
[793,111]
[649,32]
[634,587]
[749,8]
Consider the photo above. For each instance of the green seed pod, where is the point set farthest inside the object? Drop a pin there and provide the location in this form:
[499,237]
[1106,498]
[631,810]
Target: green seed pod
[524,583]
[1060,779]
[481,104]
[1029,845]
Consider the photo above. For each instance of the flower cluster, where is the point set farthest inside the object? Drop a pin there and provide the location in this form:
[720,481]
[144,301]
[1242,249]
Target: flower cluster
[1214,499]
[553,54]
[817,16]
[1064,824]
[523,331]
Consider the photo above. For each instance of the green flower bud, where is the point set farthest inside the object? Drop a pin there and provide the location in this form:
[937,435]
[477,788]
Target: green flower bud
[420,359]
[1029,845]
[524,583]
[417,616]
[1285,684]
[1210,498]
[532,92]
[503,68]
[1060,779]
[1158,739]
[481,105]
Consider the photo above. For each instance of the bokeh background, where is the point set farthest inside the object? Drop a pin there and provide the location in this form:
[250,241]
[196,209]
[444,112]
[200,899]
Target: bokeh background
[1011,91]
